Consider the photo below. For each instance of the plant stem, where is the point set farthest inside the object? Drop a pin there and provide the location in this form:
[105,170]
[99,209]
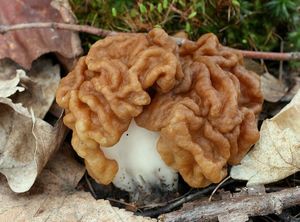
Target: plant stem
[56,25]
[103,33]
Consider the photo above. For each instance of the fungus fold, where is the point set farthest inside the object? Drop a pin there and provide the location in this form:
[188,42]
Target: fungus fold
[197,102]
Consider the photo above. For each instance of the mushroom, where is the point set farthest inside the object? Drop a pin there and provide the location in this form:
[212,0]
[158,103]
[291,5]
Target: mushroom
[140,168]
[193,108]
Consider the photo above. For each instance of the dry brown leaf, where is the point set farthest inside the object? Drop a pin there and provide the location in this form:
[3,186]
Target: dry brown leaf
[26,141]
[254,66]
[24,46]
[273,89]
[26,144]
[277,153]
[9,87]
[54,198]
[41,85]
[37,87]
[295,86]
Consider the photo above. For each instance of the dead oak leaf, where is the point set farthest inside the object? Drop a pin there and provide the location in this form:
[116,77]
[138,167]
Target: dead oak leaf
[24,46]
[27,141]
[54,198]
[40,87]
[26,144]
[9,87]
[273,89]
[277,153]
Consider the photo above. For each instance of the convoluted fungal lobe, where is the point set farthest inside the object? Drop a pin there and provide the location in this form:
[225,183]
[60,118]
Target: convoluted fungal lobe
[107,89]
[209,119]
[198,97]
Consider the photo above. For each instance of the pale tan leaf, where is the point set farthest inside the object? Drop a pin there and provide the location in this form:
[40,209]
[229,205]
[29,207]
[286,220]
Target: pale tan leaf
[26,144]
[54,198]
[40,87]
[34,89]
[277,153]
[293,89]
[273,89]
[26,141]
[254,66]
[9,87]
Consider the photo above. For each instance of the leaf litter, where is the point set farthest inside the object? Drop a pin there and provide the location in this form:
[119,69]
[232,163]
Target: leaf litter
[25,46]
[54,197]
[27,141]
[9,87]
[277,154]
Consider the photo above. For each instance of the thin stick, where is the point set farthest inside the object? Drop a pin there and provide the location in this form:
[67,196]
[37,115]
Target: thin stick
[103,33]
[281,56]
[56,25]
[91,188]
[217,187]
[236,207]
[178,202]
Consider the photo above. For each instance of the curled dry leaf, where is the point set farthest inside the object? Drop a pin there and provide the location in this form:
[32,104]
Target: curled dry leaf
[24,46]
[54,198]
[292,90]
[277,153]
[273,89]
[254,66]
[40,87]
[26,141]
[26,144]
[9,87]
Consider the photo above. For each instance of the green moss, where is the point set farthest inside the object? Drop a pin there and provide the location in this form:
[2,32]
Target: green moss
[249,24]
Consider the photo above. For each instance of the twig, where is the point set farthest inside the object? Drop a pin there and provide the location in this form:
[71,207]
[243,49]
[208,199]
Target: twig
[125,204]
[281,56]
[56,25]
[281,62]
[171,205]
[217,187]
[102,32]
[91,188]
[238,207]
[167,14]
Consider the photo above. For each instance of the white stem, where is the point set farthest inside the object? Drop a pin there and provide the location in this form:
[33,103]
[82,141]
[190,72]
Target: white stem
[140,165]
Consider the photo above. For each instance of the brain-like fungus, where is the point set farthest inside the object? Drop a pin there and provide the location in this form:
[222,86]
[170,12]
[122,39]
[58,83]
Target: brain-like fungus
[198,97]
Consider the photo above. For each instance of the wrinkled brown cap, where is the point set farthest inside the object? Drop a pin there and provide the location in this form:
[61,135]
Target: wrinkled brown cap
[199,97]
